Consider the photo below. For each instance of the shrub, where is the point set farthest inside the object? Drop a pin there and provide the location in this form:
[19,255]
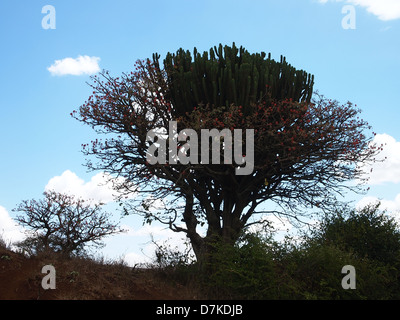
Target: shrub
[244,271]
[368,232]
[257,267]
[367,238]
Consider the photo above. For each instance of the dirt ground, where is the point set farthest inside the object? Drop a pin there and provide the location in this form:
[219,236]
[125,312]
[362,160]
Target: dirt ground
[83,279]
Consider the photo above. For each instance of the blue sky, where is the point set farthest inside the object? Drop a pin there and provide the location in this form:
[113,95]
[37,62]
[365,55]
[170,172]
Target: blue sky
[41,144]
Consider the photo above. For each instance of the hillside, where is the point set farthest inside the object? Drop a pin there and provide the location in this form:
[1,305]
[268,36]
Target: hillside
[77,278]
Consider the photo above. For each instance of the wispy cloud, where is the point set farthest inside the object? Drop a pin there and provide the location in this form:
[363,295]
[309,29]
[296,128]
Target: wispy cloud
[79,66]
[385,29]
[384,9]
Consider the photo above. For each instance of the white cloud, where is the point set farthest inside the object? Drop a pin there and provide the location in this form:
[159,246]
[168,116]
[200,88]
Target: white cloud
[384,9]
[98,188]
[387,169]
[391,206]
[10,230]
[79,66]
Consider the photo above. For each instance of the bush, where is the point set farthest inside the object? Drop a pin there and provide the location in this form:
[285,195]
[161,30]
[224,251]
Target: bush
[368,232]
[316,270]
[257,267]
[244,271]
[367,238]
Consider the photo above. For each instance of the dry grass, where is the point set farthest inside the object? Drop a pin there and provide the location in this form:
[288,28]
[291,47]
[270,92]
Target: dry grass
[85,279]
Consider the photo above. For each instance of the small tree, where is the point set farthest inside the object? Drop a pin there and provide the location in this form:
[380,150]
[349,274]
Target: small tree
[62,223]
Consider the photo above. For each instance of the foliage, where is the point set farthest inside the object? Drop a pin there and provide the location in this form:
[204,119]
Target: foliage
[62,223]
[316,271]
[246,270]
[367,233]
[257,267]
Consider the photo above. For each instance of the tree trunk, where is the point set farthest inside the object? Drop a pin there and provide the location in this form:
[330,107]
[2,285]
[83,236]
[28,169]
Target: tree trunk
[206,247]
[217,235]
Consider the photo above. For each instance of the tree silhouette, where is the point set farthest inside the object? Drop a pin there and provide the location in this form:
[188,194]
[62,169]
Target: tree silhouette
[62,223]
[305,147]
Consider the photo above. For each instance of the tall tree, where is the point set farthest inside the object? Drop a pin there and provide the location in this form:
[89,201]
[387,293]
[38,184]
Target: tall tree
[305,148]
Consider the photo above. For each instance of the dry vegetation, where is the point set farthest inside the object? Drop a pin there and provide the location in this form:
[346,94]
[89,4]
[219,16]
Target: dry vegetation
[83,278]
